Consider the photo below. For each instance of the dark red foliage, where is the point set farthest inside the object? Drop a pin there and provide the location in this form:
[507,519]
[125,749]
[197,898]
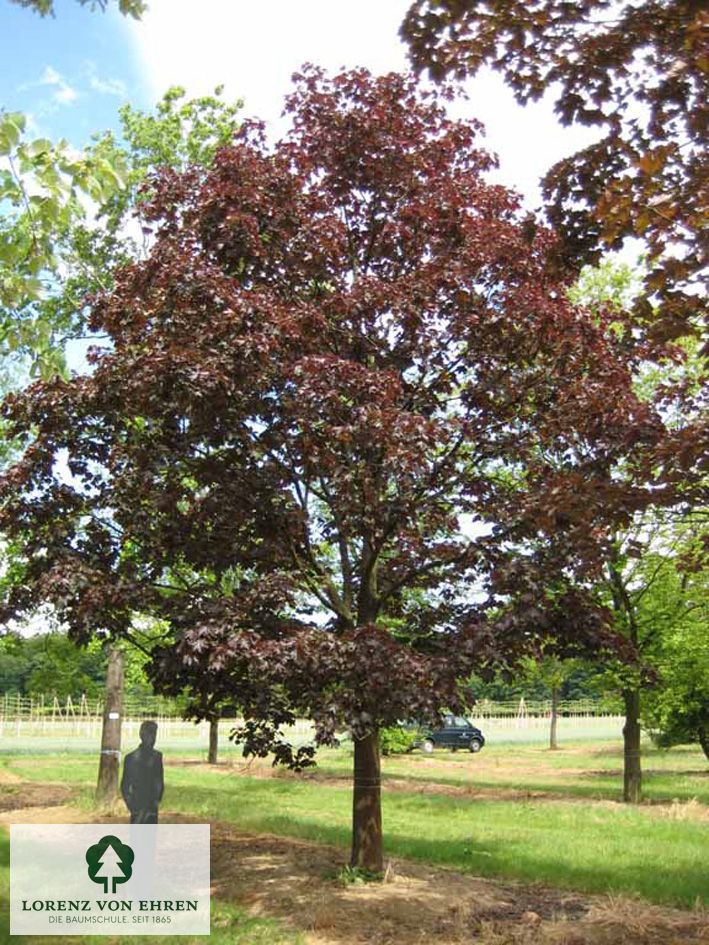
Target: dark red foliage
[350,440]
[639,72]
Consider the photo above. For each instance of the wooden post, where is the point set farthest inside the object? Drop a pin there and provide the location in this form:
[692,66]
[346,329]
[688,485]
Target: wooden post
[70,708]
[85,715]
[110,761]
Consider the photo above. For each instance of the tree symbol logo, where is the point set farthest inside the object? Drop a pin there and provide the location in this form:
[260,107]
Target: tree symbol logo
[110,862]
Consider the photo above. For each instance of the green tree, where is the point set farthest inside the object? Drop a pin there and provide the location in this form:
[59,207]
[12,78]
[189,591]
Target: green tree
[41,188]
[50,663]
[627,581]
[550,673]
[676,706]
[15,664]
[54,254]
[640,554]
[41,185]
[62,669]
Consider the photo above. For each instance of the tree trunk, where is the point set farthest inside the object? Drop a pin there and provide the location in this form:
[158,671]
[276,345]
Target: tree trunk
[554,713]
[632,774]
[367,850]
[110,761]
[703,738]
[213,740]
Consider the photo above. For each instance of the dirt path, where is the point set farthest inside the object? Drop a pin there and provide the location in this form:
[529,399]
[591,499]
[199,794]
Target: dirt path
[300,883]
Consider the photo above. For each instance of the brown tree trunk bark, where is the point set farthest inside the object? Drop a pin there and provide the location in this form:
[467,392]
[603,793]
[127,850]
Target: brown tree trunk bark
[632,774]
[554,715]
[703,738]
[213,741]
[367,851]
[110,761]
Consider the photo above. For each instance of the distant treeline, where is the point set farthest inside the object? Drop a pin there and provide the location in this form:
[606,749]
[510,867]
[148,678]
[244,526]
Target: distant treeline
[51,664]
[585,682]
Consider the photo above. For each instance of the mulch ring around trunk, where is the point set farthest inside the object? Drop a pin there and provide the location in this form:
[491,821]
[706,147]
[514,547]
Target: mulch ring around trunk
[301,883]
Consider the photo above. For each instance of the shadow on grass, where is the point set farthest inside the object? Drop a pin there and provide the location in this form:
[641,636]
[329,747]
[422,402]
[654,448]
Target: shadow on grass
[602,784]
[678,886]
[612,791]
[586,850]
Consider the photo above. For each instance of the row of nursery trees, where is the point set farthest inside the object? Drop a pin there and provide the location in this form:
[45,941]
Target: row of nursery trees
[348,434]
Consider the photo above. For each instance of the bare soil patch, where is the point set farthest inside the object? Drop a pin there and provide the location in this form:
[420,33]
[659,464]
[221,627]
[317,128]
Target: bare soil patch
[66,814]
[298,881]
[20,795]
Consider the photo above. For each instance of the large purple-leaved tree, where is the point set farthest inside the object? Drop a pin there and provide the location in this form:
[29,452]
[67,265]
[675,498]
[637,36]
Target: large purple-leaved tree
[349,441]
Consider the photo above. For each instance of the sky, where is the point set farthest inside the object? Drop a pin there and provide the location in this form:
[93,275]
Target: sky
[70,73]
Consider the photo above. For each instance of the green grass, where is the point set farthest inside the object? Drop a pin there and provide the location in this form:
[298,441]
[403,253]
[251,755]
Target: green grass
[595,849]
[680,774]
[592,847]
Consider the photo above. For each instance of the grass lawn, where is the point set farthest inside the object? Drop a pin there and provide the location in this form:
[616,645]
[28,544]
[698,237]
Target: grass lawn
[562,826]
[580,770]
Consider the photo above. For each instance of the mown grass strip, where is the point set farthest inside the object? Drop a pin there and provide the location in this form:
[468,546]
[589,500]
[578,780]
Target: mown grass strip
[592,847]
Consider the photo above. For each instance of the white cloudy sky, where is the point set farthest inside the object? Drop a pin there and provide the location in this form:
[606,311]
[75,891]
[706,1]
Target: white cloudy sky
[69,74]
[253,48]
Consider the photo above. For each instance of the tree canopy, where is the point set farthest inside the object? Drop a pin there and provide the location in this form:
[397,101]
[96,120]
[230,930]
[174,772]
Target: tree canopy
[349,441]
[41,185]
[637,71]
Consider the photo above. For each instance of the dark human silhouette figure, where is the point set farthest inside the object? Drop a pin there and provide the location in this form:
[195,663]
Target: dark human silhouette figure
[142,781]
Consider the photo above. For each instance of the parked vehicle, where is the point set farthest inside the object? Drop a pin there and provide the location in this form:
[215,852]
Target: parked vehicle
[456,732]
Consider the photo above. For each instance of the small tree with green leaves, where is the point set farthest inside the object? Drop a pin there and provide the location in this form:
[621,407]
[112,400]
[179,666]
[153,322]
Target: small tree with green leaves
[54,254]
[550,673]
[676,707]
